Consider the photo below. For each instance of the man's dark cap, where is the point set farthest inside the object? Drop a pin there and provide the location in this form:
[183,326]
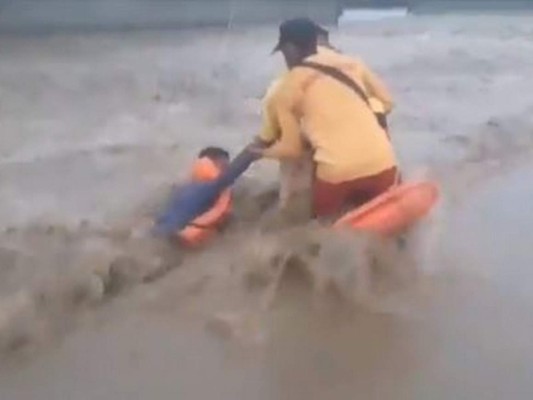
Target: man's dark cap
[300,31]
[321,30]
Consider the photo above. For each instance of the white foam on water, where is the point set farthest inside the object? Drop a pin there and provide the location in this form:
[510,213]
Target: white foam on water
[349,16]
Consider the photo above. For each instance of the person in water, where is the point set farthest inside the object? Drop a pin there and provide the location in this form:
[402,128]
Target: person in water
[217,155]
[208,166]
[353,158]
[296,174]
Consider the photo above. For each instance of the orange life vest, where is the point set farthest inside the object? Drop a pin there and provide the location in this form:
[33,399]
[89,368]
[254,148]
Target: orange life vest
[205,226]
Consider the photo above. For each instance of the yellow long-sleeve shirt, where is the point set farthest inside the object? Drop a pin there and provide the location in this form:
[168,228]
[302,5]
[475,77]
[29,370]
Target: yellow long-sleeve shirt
[347,140]
[380,102]
[270,129]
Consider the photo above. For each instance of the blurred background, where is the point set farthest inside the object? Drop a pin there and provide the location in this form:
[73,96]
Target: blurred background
[127,14]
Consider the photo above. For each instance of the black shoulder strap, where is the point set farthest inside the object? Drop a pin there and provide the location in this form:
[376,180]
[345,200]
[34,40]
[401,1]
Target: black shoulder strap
[339,76]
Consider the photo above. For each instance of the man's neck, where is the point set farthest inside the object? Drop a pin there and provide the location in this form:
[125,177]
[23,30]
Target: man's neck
[309,54]
[304,56]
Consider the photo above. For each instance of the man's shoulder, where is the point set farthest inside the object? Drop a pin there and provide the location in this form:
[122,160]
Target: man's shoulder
[331,57]
[278,79]
[327,50]
[275,85]
[291,87]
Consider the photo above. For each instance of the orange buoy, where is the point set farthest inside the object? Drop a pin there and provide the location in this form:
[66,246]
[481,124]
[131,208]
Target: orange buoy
[205,226]
[394,210]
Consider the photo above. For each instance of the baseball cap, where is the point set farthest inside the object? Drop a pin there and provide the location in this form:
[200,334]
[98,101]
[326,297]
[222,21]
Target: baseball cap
[299,31]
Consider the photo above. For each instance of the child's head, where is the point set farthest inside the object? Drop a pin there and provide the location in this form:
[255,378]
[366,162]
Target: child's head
[210,163]
[216,154]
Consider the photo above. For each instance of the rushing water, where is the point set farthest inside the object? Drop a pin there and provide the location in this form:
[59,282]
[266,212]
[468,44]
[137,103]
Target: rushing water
[100,148]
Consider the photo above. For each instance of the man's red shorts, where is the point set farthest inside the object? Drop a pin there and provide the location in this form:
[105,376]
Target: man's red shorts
[331,199]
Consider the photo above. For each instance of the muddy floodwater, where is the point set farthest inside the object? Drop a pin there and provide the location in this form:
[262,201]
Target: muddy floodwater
[94,129]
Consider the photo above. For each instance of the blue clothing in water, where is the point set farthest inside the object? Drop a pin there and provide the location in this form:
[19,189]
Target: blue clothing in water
[195,198]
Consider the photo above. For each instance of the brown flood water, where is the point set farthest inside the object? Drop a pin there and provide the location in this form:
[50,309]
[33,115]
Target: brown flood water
[465,335]
[149,102]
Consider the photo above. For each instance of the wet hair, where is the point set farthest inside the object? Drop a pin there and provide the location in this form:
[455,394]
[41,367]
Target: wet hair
[214,153]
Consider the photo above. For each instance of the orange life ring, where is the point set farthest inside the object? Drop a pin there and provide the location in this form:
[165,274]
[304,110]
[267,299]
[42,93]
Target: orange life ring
[204,227]
[394,210]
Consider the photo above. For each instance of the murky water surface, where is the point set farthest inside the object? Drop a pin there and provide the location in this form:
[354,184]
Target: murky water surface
[95,128]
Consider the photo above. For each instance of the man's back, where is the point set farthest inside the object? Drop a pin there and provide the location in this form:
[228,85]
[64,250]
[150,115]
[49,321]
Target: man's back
[342,128]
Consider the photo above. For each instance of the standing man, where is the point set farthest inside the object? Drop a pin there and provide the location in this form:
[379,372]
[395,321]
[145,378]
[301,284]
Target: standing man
[353,158]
